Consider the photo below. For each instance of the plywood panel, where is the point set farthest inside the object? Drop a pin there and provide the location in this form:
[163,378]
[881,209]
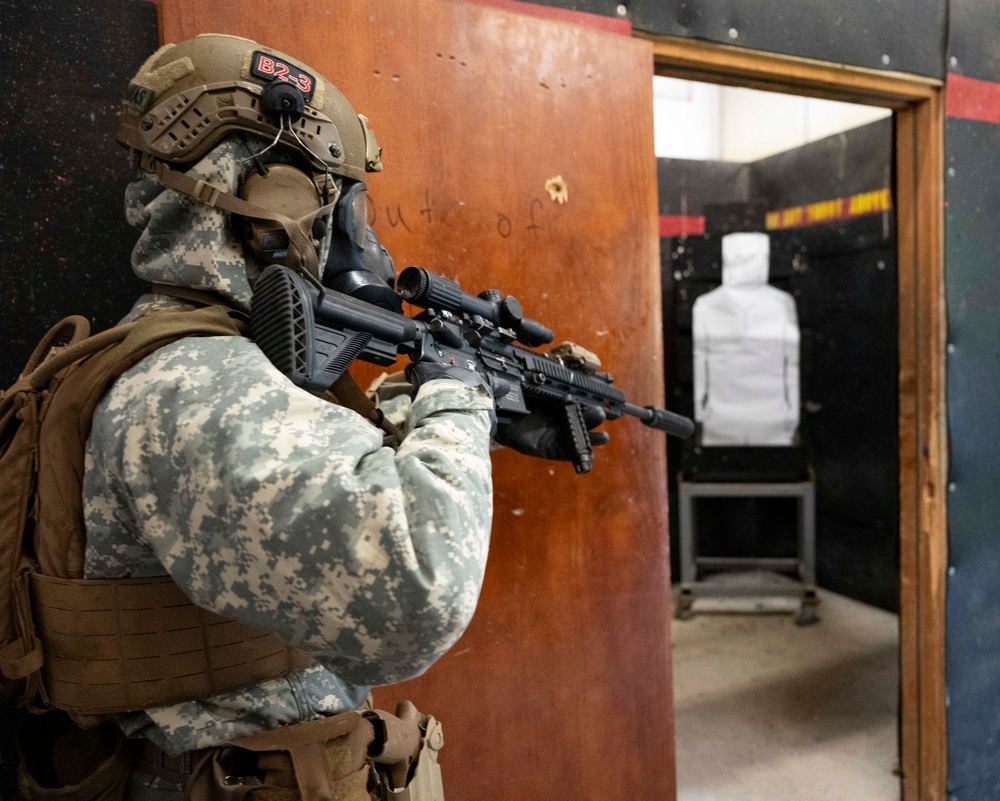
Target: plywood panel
[561,686]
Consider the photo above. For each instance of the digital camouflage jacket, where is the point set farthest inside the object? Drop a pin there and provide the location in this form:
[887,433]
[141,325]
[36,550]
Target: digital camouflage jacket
[271,506]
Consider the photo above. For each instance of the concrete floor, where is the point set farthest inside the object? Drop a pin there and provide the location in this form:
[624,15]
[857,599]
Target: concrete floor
[768,711]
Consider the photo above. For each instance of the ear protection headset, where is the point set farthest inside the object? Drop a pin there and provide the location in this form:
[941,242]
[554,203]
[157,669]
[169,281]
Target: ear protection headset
[290,194]
[286,192]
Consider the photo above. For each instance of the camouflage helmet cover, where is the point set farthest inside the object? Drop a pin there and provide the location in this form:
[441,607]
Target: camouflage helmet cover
[187,97]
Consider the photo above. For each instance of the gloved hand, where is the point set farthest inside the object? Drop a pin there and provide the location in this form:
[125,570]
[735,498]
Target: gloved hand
[543,433]
[419,373]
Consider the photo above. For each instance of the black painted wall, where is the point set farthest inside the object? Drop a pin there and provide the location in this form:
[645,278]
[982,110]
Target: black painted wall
[63,235]
[972,275]
[973,611]
[843,277]
[899,35]
[974,39]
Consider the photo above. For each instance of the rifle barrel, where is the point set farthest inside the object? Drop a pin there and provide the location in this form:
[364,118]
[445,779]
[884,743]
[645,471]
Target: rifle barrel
[661,420]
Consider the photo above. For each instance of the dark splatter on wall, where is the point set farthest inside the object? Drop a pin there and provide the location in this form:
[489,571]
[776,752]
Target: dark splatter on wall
[63,235]
[62,228]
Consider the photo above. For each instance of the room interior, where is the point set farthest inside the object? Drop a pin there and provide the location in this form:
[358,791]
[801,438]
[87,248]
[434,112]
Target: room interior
[883,230]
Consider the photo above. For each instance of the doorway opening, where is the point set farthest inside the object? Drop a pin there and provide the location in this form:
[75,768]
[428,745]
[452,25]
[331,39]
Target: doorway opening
[792,373]
[914,199]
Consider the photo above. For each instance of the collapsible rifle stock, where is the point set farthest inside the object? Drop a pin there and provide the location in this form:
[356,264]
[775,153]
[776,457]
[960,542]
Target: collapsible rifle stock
[312,334]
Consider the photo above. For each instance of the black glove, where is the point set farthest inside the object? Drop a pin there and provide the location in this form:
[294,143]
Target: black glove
[544,434]
[419,373]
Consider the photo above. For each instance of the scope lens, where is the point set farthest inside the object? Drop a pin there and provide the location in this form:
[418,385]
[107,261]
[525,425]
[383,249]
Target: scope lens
[412,283]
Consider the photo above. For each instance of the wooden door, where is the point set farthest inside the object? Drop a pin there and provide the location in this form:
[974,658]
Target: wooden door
[561,686]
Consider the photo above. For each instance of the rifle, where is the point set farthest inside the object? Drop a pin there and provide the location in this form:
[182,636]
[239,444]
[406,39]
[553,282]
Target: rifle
[312,334]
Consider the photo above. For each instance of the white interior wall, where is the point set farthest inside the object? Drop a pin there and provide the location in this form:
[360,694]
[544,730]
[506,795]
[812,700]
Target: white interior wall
[757,124]
[686,122]
[826,118]
[702,121]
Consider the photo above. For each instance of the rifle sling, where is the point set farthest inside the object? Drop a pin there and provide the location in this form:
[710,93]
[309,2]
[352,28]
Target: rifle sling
[346,392]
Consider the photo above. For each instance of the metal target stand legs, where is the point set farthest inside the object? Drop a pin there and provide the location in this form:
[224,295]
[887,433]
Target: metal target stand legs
[803,566]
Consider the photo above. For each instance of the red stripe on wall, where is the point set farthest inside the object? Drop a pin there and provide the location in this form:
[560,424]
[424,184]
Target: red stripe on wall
[602,23]
[971,99]
[671,225]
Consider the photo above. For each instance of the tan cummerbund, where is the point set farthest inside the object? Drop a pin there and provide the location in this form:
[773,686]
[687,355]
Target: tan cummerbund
[117,645]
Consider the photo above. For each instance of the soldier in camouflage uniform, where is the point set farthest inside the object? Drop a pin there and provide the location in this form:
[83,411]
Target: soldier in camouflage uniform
[272,506]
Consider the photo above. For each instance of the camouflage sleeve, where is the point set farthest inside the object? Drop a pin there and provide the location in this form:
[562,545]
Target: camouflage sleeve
[271,506]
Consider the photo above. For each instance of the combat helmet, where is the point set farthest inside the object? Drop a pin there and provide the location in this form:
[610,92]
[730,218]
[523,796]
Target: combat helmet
[187,97]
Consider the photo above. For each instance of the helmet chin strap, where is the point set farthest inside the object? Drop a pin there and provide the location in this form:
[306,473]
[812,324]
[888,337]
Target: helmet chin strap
[302,254]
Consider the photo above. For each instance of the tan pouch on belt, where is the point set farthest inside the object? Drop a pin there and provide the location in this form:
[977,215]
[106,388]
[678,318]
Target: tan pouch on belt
[405,755]
[320,760]
[328,760]
[426,784]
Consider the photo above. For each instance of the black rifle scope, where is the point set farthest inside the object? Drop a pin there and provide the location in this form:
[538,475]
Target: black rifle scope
[431,291]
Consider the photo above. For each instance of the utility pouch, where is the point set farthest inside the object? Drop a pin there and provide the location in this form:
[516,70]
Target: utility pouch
[366,756]
[320,760]
[425,783]
[62,762]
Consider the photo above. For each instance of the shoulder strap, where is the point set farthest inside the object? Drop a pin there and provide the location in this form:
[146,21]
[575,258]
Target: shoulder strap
[21,410]
[59,535]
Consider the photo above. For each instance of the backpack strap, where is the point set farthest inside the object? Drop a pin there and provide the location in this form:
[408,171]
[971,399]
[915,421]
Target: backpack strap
[81,330]
[76,386]
[54,357]
[21,412]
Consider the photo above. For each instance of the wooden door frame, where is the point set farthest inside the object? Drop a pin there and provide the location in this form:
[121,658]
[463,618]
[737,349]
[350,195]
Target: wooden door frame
[917,104]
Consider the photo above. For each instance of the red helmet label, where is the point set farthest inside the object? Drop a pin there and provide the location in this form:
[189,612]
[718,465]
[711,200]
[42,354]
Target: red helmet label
[270,68]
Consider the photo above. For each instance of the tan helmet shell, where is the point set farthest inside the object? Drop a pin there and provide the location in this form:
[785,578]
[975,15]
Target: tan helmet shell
[188,96]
